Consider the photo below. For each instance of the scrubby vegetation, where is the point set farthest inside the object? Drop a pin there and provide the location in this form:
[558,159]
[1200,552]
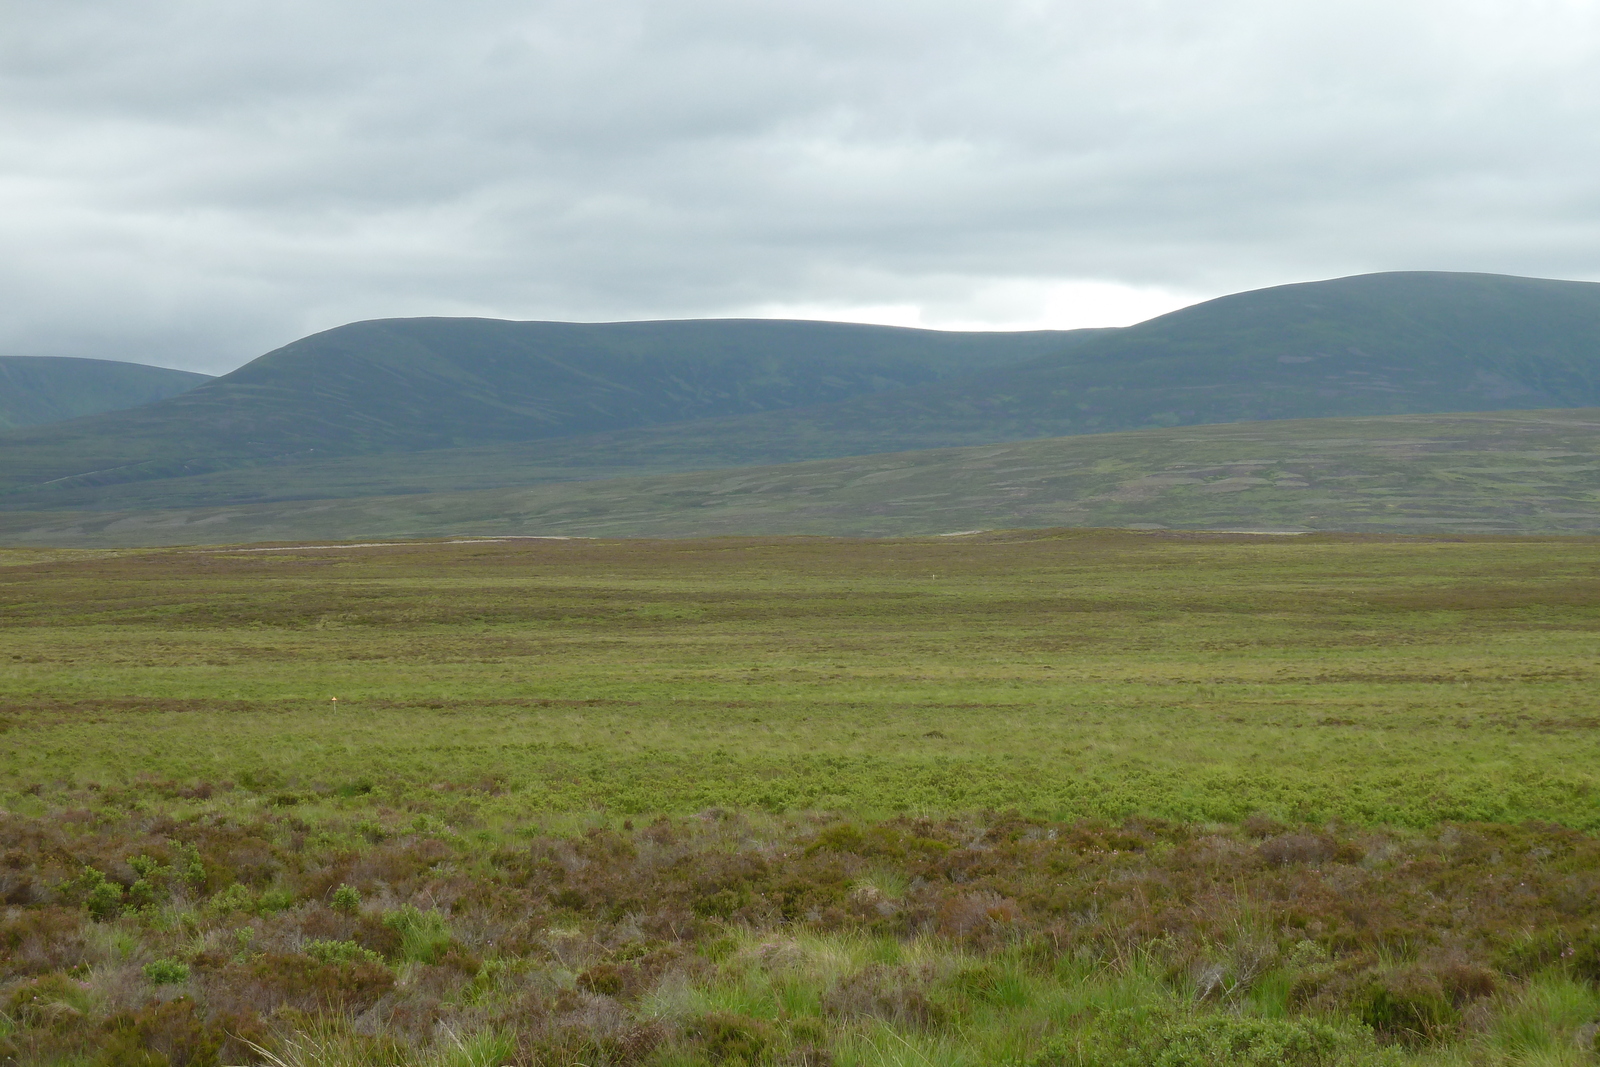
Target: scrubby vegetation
[1077,799]
[720,937]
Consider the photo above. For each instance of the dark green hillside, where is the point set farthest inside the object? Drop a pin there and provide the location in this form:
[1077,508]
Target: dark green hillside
[1375,344]
[400,385]
[442,405]
[42,389]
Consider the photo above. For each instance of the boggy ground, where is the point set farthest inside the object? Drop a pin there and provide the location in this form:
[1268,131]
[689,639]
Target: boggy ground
[1067,797]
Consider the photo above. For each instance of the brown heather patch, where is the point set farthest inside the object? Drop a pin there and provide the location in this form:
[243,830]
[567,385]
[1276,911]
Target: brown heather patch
[563,939]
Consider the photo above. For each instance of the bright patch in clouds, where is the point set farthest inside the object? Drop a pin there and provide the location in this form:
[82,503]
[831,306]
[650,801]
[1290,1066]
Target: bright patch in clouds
[190,183]
[1005,305]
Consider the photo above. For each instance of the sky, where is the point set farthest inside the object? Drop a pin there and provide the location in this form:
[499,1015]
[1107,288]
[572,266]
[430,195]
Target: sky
[192,183]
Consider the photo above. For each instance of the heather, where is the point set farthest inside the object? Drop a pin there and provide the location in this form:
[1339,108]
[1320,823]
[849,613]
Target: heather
[1039,799]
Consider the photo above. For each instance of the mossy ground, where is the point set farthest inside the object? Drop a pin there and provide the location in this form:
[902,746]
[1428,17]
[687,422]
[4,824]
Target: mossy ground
[1062,797]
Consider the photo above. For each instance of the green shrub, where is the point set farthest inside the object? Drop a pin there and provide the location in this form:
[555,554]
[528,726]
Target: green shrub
[141,894]
[145,867]
[346,899]
[236,897]
[1238,1042]
[607,979]
[188,864]
[272,900]
[340,952]
[167,972]
[102,897]
[1137,1039]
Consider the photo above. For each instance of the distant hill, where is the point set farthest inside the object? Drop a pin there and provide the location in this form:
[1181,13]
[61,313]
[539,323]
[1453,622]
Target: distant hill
[35,390]
[400,385]
[1500,472]
[1374,344]
[437,405]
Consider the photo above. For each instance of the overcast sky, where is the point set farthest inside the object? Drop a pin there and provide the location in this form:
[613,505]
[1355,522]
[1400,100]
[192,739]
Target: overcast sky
[194,182]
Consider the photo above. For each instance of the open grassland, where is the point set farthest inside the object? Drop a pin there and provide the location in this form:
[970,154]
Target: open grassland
[1065,674]
[1048,799]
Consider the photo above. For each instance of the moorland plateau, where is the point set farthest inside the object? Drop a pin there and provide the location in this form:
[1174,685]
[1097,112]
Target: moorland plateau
[1050,798]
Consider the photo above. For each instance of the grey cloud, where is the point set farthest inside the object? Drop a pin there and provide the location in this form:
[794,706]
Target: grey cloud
[191,183]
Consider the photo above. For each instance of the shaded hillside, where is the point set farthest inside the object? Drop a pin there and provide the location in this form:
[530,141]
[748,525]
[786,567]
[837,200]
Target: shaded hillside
[1534,472]
[1374,344]
[528,403]
[35,390]
[400,385]
[442,405]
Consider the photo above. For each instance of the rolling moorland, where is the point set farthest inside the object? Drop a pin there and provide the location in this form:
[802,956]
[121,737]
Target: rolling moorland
[417,406]
[42,389]
[1065,797]
[1046,799]
[404,385]
[1503,472]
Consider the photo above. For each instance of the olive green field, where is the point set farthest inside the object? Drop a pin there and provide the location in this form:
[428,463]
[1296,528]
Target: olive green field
[1065,673]
[1044,798]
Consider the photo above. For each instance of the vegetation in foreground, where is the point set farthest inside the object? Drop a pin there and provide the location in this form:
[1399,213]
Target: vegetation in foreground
[1069,798]
[235,933]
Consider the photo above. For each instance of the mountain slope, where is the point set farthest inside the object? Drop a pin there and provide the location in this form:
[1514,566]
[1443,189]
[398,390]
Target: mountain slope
[536,402]
[400,385]
[1503,472]
[35,390]
[1374,344]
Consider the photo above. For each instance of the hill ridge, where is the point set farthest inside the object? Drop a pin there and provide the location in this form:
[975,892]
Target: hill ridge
[39,390]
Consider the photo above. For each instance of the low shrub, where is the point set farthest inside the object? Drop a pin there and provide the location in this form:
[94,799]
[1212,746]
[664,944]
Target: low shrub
[167,972]
[346,899]
[1410,1007]
[102,898]
[729,1038]
[1132,1038]
[340,952]
[171,1033]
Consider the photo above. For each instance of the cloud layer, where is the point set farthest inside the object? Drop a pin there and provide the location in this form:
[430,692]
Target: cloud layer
[190,183]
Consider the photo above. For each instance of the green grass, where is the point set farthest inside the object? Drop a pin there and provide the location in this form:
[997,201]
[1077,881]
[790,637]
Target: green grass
[1066,674]
[1087,798]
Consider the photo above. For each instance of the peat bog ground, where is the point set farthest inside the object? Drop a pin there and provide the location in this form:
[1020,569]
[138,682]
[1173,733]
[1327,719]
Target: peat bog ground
[1052,797]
